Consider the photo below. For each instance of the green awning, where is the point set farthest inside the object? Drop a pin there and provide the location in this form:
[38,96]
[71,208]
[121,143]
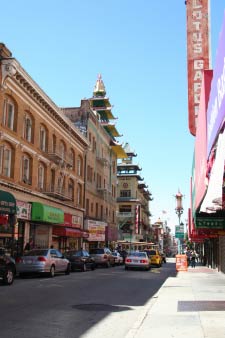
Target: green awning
[45,213]
[7,203]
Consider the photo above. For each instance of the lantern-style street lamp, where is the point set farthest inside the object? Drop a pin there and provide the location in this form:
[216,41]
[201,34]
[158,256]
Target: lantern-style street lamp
[179,206]
[179,211]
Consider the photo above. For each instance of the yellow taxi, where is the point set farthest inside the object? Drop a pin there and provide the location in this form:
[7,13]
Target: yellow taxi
[156,258]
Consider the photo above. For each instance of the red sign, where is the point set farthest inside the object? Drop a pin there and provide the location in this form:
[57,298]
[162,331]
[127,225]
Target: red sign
[181,262]
[69,232]
[72,221]
[197,54]
[200,141]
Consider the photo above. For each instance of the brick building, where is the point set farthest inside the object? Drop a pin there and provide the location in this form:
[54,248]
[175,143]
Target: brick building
[42,165]
[94,119]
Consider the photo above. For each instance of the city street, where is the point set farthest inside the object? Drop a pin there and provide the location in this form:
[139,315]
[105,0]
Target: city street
[99,303]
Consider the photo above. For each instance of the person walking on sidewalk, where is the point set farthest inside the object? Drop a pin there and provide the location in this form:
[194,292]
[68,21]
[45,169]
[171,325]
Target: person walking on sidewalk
[193,260]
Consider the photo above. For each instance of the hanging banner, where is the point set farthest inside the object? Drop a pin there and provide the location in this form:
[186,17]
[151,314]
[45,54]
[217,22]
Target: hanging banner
[197,54]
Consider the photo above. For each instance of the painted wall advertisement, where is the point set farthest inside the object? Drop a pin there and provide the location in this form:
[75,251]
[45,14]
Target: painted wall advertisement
[96,230]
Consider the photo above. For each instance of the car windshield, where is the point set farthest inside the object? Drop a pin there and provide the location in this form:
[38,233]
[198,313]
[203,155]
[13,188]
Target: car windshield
[38,252]
[138,254]
[152,252]
[74,253]
[115,254]
[96,251]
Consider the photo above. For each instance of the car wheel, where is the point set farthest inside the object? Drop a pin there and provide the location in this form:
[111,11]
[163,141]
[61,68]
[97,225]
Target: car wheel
[8,277]
[52,271]
[93,267]
[67,272]
[126,267]
[84,267]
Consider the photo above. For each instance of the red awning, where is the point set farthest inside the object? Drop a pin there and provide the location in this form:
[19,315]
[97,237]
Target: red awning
[69,232]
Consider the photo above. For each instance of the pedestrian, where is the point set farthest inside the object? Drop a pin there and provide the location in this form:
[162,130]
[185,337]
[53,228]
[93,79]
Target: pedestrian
[27,247]
[193,260]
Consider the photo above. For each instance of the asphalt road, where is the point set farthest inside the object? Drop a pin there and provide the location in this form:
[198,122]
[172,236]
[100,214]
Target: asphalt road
[100,303]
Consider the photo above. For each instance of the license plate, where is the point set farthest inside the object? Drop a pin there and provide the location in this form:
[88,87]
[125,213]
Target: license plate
[135,260]
[29,261]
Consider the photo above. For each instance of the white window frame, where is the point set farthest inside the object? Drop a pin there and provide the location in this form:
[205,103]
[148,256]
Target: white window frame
[28,128]
[62,150]
[43,138]
[5,160]
[79,166]
[41,176]
[26,162]
[9,114]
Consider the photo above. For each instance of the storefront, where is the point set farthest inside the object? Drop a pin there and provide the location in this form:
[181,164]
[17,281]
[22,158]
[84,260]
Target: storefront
[97,233]
[22,227]
[43,217]
[7,221]
[70,234]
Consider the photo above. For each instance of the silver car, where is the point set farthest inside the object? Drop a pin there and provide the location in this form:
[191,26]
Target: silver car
[102,257]
[138,260]
[39,261]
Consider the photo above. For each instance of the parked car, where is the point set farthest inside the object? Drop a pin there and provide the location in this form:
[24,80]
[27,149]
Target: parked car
[102,257]
[118,258]
[80,260]
[40,261]
[138,260]
[7,267]
[156,258]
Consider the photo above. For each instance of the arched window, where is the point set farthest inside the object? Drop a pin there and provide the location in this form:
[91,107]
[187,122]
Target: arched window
[61,183]
[79,166]
[62,150]
[41,176]
[43,138]
[26,169]
[5,160]
[53,144]
[28,127]
[79,194]
[71,189]
[72,159]
[9,112]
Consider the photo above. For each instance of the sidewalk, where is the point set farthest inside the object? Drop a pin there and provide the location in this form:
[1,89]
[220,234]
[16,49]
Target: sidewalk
[192,304]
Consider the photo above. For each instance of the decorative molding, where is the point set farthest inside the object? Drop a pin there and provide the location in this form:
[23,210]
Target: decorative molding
[8,70]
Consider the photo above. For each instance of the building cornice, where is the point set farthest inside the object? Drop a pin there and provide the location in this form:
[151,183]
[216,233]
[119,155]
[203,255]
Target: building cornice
[11,69]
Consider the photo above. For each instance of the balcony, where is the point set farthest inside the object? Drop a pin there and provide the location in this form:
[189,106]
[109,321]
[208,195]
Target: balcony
[56,192]
[60,159]
[124,214]
[102,160]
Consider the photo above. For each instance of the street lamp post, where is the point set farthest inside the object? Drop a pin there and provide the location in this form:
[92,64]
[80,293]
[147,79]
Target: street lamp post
[179,211]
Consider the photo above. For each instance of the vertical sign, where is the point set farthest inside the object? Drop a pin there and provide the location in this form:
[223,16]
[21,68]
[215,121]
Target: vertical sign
[136,219]
[198,57]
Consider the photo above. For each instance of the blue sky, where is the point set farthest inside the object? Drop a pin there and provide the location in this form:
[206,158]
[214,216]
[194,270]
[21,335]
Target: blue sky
[139,47]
